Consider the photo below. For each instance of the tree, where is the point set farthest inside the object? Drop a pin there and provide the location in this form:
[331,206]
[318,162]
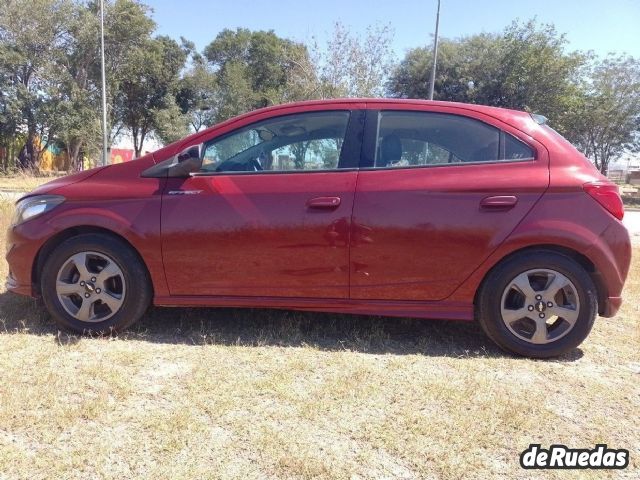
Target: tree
[30,43]
[197,94]
[606,119]
[127,26]
[525,68]
[350,66]
[253,69]
[79,115]
[462,64]
[50,71]
[10,111]
[595,104]
[147,90]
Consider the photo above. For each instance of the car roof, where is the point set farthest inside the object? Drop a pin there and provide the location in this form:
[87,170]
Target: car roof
[371,103]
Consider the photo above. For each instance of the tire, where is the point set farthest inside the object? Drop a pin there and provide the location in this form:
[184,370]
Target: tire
[524,324]
[115,284]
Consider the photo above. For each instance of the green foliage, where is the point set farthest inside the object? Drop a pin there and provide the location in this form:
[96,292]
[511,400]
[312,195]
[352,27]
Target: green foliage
[253,69]
[524,68]
[147,91]
[352,66]
[605,118]
[128,28]
[527,67]
[28,48]
[50,71]
[197,94]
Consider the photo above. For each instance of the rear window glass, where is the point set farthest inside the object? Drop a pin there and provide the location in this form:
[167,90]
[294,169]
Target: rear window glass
[427,138]
[414,138]
[514,149]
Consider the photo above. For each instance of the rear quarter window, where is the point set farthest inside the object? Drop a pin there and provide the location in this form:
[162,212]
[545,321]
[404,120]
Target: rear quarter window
[514,149]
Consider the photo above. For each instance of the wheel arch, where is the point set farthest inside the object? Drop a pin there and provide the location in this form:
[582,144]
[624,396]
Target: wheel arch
[52,243]
[576,256]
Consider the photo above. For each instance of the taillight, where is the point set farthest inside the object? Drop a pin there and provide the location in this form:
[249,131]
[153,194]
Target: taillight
[607,195]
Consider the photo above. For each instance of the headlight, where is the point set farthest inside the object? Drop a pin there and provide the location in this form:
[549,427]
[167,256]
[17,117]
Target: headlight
[31,207]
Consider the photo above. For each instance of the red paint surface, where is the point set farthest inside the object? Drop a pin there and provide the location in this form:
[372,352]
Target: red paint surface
[411,241]
[255,235]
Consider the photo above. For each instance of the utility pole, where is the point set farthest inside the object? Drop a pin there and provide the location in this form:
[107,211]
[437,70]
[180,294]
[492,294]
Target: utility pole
[435,55]
[105,159]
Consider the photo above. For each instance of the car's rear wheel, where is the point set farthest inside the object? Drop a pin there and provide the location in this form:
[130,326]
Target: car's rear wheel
[95,283]
[537,304]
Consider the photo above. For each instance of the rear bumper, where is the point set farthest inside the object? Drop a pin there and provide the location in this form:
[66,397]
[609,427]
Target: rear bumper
[611,255]
[611,307]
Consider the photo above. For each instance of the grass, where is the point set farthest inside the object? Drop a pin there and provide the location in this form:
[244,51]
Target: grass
[231,393]
[25,182]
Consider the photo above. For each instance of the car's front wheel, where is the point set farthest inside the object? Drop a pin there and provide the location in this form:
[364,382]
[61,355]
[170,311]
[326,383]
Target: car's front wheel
[538,304]
[95,283]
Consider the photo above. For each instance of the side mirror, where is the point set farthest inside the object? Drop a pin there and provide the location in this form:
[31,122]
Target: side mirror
[190,153]
[180,165]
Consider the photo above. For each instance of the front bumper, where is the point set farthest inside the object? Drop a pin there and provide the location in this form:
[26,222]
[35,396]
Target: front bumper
[12,285]
[23,244]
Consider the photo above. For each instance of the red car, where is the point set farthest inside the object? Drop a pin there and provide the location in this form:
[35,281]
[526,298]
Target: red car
[387,207]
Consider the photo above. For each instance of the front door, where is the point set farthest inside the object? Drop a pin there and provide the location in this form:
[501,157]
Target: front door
[269,212]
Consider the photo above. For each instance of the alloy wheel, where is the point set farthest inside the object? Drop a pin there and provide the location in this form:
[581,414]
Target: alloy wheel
[90,286]
[540,306]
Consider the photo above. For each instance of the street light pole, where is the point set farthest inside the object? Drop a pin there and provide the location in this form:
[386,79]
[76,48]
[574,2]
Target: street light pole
[435,55]
[104,89]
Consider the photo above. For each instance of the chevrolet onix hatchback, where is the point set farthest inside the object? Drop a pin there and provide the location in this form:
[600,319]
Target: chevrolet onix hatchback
[387,207]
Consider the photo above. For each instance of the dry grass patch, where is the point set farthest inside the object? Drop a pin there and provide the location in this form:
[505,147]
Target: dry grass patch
[24,182]
[229,393]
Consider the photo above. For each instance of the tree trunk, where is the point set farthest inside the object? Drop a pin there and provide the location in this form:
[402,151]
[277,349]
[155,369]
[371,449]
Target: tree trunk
[27,158]
[138,143]
[604,165]
[4,157]
[75,159]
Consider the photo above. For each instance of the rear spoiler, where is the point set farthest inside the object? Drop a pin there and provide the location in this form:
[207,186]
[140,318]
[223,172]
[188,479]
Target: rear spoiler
[539,119]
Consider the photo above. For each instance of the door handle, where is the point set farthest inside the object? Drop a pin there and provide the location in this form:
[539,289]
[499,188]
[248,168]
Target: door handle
[499,202]
[324,202]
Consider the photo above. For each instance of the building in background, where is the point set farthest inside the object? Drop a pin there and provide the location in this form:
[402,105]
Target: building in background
[122,147]
[55,158]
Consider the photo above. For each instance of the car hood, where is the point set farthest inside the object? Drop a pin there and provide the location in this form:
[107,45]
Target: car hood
[64,181]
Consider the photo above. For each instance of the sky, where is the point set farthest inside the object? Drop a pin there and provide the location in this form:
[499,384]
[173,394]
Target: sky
[599,25]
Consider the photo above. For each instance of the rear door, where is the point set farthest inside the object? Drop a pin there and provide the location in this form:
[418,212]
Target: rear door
[437,193]
[269,212]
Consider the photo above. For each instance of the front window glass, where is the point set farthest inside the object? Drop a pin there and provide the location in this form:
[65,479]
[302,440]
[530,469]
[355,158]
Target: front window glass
[308,141]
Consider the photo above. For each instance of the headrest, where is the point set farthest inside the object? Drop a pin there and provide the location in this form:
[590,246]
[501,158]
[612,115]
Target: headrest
[390,149]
